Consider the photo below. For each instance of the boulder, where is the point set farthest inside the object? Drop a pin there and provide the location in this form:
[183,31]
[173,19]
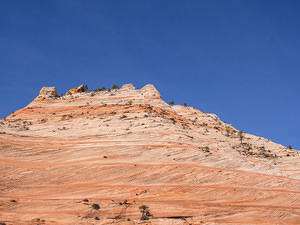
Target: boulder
[127,87]
[48,92]
[79,89]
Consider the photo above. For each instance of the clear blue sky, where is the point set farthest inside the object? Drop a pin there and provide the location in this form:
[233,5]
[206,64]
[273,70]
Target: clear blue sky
[239,59]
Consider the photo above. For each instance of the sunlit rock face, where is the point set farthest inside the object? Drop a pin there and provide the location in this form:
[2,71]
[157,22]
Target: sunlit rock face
[97,157]
[48,92]
[78,89]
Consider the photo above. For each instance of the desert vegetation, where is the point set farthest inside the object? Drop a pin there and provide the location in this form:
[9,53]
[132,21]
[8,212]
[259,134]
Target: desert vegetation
[114,86]
[100,89]
[144,209]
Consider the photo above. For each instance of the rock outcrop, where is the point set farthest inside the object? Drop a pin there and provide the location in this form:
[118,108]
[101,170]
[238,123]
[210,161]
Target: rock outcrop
[48,92]
[128,87]
[151,91]
[119,156]
[78,89]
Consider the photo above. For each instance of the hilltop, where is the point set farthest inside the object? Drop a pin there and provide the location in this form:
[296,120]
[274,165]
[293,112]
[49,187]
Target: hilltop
[96,157]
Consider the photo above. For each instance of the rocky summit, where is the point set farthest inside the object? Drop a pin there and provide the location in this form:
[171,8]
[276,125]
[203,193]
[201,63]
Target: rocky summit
[124,156]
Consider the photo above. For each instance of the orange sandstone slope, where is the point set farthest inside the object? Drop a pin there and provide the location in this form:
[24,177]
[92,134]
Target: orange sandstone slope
[95,158]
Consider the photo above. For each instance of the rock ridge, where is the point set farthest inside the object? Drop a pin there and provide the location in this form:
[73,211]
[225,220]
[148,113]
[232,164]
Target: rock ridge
[122,155]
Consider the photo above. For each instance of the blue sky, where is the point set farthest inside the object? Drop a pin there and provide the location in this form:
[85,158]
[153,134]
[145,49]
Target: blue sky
[239,59]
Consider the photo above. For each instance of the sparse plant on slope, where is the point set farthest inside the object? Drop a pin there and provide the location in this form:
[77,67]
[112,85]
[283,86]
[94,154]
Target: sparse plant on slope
[114,86]
[171,103]
[290,147]
[185,104]
[95,206]
[85,88]
[100,89]
[145,212]
[241,136]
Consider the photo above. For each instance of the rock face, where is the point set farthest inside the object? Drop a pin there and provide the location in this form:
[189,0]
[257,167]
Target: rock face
[128,87]
[48,92]
[151,91]
[96,158]
[78,89]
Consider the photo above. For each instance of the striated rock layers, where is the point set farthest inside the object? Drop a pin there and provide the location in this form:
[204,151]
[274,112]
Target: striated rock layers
[98,157]
[48,92]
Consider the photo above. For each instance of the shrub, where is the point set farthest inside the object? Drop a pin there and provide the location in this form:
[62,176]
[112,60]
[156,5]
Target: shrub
[85,88]
[206,149]
[114,86]
[241,136]
[171,103]
[185,104]
[100,89]
[290,147]
[95,206]
[144,217]
[145,212]
[143,208]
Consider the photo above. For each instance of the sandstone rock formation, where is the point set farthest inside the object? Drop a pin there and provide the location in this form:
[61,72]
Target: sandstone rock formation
[78,89]
[128,87]
[98,157]
[48,92]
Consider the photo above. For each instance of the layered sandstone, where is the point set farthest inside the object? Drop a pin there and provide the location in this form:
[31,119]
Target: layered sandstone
[124,148]
[48,92]
[78,89]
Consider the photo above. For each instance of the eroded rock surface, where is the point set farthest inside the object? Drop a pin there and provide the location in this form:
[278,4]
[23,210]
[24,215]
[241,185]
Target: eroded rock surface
[78,89]
[48,92]
[97,157]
